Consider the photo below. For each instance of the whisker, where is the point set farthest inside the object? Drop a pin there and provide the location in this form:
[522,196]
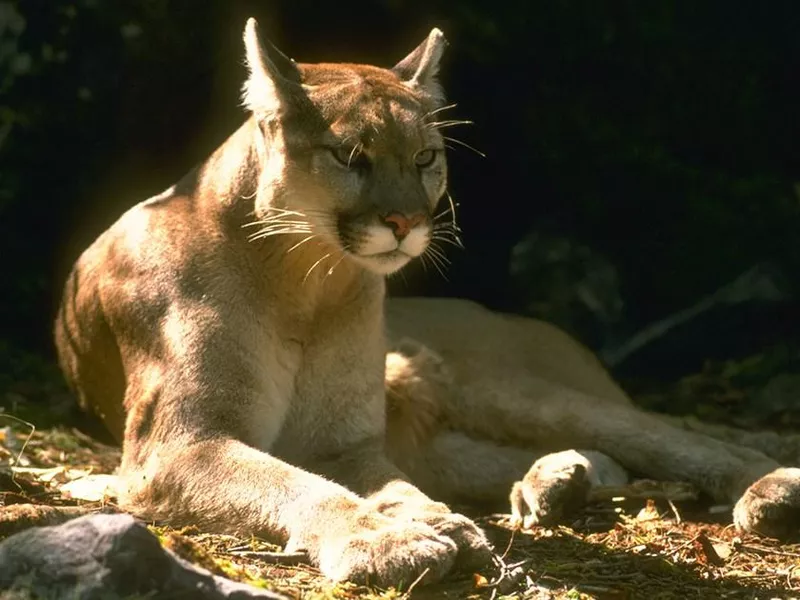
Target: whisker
[402,274]
[281,214]
[287,231]
[315,265]
[453,206]
[338,262]
[283,211]
[276,222]
[448,225]
[448,123]
[439,253]
[357,149]
[448,229]
[442,214]
[435,262]
[284,229]
[423,263]
[465,145]
[453,242]
[301,242]
[440,109]
[285,225]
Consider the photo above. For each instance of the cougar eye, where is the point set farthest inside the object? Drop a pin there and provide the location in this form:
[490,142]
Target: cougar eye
[349,156]
[425,158]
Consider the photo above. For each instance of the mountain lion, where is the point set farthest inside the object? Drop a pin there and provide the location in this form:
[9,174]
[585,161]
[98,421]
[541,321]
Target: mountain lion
[230,332]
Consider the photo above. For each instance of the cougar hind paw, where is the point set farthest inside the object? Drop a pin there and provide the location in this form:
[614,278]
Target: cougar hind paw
[558,484]
[771,506]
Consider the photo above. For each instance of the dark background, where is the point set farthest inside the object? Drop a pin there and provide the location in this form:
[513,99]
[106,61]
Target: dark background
[662,135]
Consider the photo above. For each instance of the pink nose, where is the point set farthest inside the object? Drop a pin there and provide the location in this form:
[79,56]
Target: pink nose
[402,225]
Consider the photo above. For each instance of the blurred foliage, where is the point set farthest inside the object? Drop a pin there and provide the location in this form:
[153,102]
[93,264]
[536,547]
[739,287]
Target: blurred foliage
[67,68]
[756,392]
[660,133]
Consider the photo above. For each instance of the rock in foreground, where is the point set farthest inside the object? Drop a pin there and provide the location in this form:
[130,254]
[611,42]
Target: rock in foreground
[107,557]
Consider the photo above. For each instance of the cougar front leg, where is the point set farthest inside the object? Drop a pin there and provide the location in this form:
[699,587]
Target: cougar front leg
[369,472]
[197,450]
[222,484]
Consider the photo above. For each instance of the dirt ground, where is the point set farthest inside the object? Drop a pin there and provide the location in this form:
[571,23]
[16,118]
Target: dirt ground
[617,548]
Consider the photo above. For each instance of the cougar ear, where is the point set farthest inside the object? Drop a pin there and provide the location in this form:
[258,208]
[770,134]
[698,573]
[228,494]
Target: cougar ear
[418,70]
[273,78]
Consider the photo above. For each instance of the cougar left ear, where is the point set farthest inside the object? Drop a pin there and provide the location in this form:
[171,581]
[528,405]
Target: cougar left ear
[418,70]
[273,78]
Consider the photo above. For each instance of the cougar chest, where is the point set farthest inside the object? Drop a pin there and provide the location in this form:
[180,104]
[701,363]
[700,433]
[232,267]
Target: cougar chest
[338,392]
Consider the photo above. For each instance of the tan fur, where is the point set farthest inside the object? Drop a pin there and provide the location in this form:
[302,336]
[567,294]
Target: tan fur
[230,333]
[416,387]
[523,392]
[230,330]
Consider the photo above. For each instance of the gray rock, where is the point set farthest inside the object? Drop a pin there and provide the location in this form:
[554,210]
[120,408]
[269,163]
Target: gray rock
[106,557]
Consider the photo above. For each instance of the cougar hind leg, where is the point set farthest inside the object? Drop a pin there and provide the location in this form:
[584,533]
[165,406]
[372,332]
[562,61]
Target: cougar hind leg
[528,412]
[453,465]
[525,400]
[781,447]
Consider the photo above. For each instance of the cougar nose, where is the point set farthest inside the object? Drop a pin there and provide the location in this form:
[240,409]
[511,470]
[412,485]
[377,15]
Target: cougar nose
[401,225]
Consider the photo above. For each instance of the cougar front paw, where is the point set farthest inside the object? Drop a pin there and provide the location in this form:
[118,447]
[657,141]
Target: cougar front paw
[397,553]
[555,486]
[474,550]
[402,501]
[771,506]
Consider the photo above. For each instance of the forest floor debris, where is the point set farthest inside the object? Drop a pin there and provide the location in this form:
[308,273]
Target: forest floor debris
[616,549]
[642,541]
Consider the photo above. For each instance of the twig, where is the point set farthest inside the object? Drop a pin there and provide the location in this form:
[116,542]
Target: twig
[765,550]
[508,547]
[24,444]
[414,583]
[286,558]
[674,510]
[645,489]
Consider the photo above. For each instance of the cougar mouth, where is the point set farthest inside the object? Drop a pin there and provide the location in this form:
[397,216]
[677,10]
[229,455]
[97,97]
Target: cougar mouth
[388,254]
[380,249]
[384,263]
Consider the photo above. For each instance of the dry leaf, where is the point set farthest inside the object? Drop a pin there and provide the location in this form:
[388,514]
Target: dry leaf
[91,488]
[649,512]
[706,554]
[723,550]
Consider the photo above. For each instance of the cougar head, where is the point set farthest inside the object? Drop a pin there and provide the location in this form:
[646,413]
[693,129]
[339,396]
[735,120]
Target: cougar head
[349,153]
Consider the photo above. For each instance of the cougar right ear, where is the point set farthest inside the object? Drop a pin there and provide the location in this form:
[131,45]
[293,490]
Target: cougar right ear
[273,78]
[419,69]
